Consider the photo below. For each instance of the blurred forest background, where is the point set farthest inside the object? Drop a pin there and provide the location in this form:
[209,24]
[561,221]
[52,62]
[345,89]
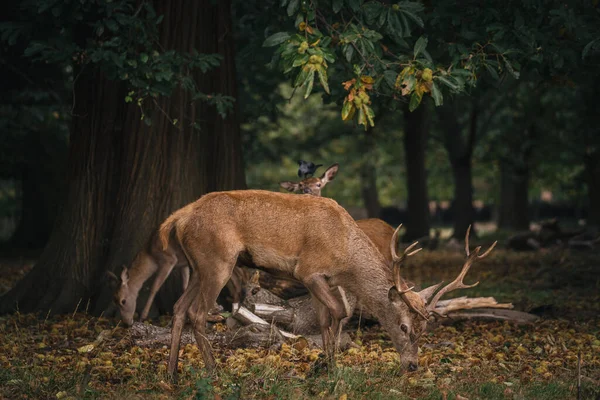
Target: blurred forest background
[116,113]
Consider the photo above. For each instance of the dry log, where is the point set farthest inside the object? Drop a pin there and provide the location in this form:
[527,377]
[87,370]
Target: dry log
[465,303]
[246,317]
[517,317]
[274,314]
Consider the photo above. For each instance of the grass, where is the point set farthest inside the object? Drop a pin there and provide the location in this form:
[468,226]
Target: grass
[42,358]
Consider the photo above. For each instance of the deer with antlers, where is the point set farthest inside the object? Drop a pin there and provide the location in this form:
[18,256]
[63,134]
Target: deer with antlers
[323,250]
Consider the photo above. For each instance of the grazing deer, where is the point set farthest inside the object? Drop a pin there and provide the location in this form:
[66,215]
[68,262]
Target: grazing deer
[322,249]
[153,259]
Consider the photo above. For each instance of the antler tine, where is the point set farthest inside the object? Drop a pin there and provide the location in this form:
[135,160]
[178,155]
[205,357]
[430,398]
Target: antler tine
[458,282]
[467,240]
[394,244]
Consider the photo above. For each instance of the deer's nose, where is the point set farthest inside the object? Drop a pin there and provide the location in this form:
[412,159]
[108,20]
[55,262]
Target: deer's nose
[306,190]
[412,366]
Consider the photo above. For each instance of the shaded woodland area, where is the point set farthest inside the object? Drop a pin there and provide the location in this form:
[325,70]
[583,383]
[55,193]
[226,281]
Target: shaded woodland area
[114,114]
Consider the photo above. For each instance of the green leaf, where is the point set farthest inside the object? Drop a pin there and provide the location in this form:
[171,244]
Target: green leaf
[382,17]
[323,78]
[337,5]
[448,83]
[370,114]
[436,93]
[111,25]
[347,109]
[390,77]
[302,76]
[394,26]
[372,10]
[349,52]
[292,7]
[587,48]
[415,100]
[309,84]
[144,58]
[492,71]
[354,4]
[420,45]
[510,69]
[362,118]
[276,39]
[300,60]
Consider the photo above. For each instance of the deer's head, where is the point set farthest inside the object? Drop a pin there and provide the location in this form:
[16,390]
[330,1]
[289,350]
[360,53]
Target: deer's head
[312,185]
[124,297]
[411,310]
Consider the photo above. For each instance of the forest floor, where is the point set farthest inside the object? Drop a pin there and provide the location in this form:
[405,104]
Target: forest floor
[82,356]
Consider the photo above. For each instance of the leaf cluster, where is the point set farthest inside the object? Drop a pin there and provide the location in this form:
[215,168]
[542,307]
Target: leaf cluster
[119,38]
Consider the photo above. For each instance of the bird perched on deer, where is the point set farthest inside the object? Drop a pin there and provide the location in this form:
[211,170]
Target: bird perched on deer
[307,168]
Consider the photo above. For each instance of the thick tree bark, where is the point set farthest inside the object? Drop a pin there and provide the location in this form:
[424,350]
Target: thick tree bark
[126,177]
[592,177]
[42,186]
[416,130]
[513,213]
[368,178]
[459,141]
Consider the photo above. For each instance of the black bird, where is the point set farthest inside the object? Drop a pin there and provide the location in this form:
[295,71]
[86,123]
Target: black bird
[307,168]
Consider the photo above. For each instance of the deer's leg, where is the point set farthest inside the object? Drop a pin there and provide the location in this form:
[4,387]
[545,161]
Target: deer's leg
[179,312]
[330,312]
[185,276]
[161,275]
[214,275]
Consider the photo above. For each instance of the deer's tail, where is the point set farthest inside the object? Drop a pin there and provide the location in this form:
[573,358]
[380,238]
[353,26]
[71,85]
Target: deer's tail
[164,232]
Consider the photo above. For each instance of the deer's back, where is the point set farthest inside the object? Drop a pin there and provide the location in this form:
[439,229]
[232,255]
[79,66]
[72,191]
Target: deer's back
[275,229]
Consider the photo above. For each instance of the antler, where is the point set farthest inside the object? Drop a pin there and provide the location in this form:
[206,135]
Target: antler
[458,282]
[398,260]
[412,299]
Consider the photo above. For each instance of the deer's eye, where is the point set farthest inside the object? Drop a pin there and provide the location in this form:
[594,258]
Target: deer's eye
[318,185]
[123,302]
[404,328]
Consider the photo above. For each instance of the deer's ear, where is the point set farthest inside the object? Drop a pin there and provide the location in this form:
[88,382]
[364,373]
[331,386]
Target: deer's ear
[330,173]
[427,293]
[124,275]
[394,295]
[289,186]
[113,280]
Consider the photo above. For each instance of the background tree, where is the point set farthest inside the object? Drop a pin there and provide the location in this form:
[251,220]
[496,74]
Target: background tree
[141,144]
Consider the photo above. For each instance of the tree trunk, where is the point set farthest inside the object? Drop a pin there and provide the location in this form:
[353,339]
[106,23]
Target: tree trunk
[459,141]
[592,177]
[368,177]
[126,177]
[415,142]
[462,208]
[514,191]
[42,183]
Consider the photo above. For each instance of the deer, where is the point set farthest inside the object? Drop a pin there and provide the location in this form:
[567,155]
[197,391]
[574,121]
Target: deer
[323,250]
[153,260]
[379,231]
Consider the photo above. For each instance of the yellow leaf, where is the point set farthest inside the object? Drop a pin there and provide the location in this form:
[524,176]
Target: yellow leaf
[86,349]
[61,395]
[344,397]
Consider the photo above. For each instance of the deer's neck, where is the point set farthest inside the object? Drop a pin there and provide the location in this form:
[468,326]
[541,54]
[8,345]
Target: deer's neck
[370,281]
[142,268]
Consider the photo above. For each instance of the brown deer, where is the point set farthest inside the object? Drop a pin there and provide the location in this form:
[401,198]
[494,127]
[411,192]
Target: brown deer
[323,248]
[379,231]
[151,260]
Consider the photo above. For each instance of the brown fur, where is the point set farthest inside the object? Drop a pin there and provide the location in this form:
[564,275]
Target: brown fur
[310,238]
